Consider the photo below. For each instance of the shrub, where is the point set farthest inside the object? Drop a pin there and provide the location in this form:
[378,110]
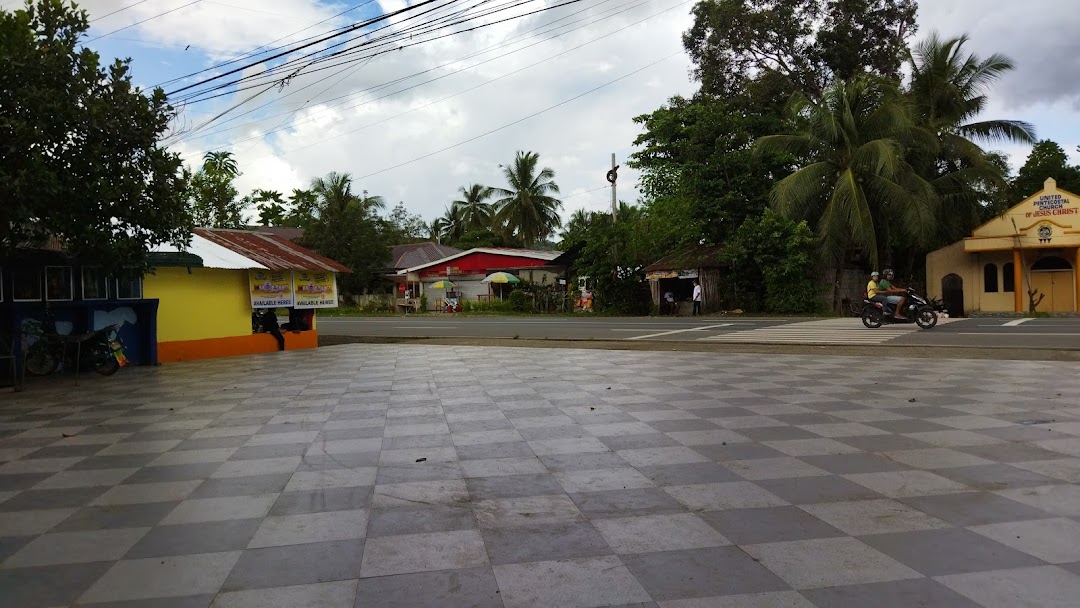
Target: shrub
[518,300]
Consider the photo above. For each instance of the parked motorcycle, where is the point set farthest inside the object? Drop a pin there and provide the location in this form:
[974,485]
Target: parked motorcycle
[917,309]
[101,350]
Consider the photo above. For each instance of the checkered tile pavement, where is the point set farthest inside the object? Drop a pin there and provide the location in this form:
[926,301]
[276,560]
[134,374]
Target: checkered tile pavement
[434,476]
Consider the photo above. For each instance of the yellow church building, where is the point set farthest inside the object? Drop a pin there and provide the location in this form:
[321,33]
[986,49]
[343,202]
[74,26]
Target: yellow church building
[1028,255]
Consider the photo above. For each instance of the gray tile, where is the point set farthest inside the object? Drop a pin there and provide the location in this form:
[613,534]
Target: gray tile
[1055,541]
[828,562]
[281,530]
[990,477]
[173,576]
[263,452]
[75,547]
[652,533]
[466,588]
[631,442]
[921,592]
[336,594]
[576,583]
[975,508]
[768,525]
[582,462]
[49,585]
[1044,587]
[198,510]
[185,539]
[323,462]
[123,461]
[10,544]
[625,503]
[31,500]
[318,501]
[116,516]
[484,451]
[949,551]
[693,573]
[687,474]
[425,471]
[737,451]
[190,601]
[809,490]
[407,442]
[419,519]
[884,443]
[296,565]
[541,543]
[426,552]
[512,486]
[241,486]
[863,517]
[183,472]
[1009,452]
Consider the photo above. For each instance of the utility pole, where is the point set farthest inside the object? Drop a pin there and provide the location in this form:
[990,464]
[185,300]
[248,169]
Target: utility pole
[612,177]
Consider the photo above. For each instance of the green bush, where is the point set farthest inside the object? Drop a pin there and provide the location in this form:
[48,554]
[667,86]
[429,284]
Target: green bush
[519,300]
[423,304]
[772,266]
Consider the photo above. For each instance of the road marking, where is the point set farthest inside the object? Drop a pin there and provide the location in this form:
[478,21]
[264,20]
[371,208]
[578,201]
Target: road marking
[425,327]
[1016,322]
[679,331]
[828,331]
[1019,333]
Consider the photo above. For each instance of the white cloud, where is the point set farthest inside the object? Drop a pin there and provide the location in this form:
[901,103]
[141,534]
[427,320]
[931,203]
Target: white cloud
[340,124]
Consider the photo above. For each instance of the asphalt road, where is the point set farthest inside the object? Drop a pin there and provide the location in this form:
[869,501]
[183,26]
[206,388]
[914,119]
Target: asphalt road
[979,333]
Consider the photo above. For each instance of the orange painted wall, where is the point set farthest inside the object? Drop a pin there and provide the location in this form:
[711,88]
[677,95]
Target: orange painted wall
[210,348]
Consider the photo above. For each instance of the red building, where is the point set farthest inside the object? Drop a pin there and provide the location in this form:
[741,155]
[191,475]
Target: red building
[468,268]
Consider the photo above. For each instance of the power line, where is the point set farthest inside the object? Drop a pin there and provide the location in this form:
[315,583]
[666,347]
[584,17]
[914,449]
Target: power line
[508,42]
[143,21]
[521,120]
[252,52]
[455,33]
[354,27]
[119,10]
[483,84]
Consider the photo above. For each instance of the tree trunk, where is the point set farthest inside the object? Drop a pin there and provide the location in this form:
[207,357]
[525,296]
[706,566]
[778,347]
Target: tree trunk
[836,288]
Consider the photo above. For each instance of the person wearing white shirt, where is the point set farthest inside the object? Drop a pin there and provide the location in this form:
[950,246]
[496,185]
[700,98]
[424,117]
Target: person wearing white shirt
[697,298]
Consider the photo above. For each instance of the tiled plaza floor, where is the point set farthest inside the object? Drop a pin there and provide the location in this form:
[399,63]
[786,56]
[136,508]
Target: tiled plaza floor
[418,476]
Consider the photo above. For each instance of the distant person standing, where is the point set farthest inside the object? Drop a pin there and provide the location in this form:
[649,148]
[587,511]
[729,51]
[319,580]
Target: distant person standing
[697,298]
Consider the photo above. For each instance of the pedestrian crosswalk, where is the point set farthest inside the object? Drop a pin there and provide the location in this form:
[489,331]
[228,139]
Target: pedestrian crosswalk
[822,332]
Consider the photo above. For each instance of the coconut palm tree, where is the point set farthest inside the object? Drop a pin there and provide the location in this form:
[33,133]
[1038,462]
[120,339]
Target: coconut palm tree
[856,187]
[476,212]
[221,163]
[948,92]
[527,212]
[452,224]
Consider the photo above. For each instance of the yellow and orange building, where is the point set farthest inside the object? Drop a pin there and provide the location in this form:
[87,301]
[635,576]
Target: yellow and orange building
[1028,255]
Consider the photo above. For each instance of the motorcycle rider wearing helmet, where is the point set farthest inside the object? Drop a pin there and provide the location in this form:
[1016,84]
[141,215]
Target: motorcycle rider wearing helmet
[885,287]
[873,289]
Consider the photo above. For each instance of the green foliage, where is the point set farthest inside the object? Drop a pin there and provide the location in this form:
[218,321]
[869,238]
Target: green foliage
[405,227]
[519,300]
[527,211]
[1047,159]
[803,43]
[345,228]
[214,201]
[271,207]
[79,152]
[699,176]
[772,265]
[612,258]
[303,205]
[480,238]
[423,303]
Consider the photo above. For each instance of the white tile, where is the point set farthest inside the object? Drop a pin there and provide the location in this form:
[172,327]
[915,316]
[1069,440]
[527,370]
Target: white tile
[597,480]
[1055,541]
[443,492]
[338,594]
[494,467]
[571,583]
[158,577]
[527,511]
[936,458]
[147,492]
[899,484]
[723,496]
[773,468]
[283,438]
[774,599]
[1057,499]
[389,555]
[645,457]
[333,478]
[1039,587]
[282,530]
[200,510]
[262,466]
[25,523]
[192,457]
[83,479]
[76,547]
[862,517]
[658,533]
[828,562]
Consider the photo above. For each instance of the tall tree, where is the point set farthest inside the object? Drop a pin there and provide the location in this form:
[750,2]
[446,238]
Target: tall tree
[451,224]
[79,152]
[303,206]
[405,227]
[527,212]
[271,207]
[855,188]
[1047,159]
[346,228]
[948,93]
[476,212]
[805,43]
[214,201]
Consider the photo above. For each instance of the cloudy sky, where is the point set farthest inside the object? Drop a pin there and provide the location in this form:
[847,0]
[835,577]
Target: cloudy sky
[526,84]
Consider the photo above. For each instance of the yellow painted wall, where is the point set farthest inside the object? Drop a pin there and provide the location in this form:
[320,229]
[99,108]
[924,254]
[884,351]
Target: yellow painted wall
[207,303]
[1053,210]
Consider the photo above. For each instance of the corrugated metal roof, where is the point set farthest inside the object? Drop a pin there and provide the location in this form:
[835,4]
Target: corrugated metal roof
[691,258]
[536,254]
[413,254]
[272,252]
[214,255]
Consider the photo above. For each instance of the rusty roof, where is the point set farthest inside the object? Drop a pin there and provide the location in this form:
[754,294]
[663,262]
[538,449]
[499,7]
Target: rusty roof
[273,252]
[690,258]
[414,254]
